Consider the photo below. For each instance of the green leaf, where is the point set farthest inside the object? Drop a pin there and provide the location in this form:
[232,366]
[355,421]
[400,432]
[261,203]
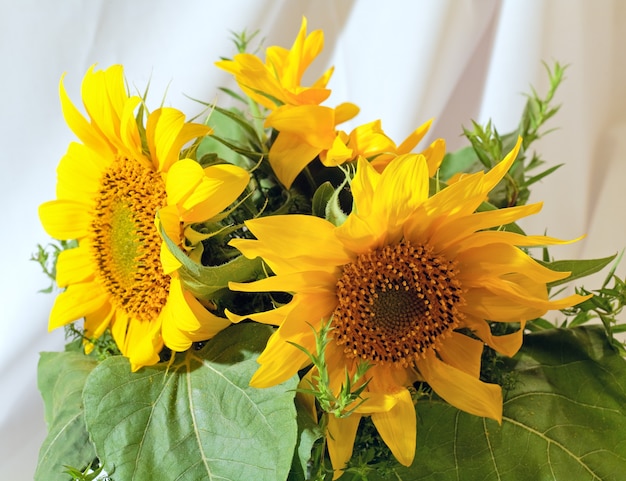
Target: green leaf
[60,378]
[229,129]
[321,198]
[564,420]
[204,281]
[195,419]
[578,268]
[308,433]
[462,160]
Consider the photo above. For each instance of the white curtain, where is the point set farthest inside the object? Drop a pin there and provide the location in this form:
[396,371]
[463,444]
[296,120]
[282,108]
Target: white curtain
[401,61]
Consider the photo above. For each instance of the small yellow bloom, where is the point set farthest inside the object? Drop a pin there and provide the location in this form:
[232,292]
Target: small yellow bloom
[402,281]
[305,127]
[110,187]
[278,81]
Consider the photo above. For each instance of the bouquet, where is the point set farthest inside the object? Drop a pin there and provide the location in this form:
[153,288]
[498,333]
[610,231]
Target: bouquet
[261,295]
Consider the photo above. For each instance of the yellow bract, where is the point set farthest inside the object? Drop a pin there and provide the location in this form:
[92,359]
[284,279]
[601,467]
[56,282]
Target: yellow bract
[402,280]
[108,193]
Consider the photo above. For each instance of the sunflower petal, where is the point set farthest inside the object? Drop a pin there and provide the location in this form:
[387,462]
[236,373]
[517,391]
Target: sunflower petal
[463,391]
[398,427]
[74,266]
[463,353]
[65,219]
[77,301]
[341,433]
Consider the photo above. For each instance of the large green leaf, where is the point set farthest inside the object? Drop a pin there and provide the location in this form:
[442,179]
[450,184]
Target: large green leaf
[565,419]
[60,377]
[197,419]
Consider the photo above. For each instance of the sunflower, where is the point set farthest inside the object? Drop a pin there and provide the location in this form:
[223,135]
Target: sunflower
[305,127]
[408,283]
[110,188]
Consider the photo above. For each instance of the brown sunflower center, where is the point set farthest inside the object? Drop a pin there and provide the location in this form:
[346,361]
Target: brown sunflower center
[126,244]
[396,303]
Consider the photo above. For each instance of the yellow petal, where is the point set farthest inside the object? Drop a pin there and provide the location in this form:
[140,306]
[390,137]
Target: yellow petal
[293,253]
[217,188]
[274,370]
[337,154]
[398,427]
[313,124]
[498,259]
[97,322]
[144,342]
[79,125]
[289,155]
[65,219]
[463,353]
[463,391]
[273,317]
[167,132]
[77,301]
[75,265]
[453,229]
[345,111]
[103,93]
[302,282]
[414,138]
[434,155]
[507,344]
[184,320]
[79,173]
[484,304]
[341,433]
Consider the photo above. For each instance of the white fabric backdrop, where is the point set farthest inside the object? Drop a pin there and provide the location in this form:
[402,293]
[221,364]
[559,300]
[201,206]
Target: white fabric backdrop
[403,61]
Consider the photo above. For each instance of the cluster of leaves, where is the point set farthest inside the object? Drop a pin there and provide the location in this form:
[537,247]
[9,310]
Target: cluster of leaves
[487,147]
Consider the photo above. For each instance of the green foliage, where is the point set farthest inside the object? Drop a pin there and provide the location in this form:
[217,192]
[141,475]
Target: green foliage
[46,256]
[488,147]
[564,419]
[60,377]
[195,417]
[349,397]
[204,281]
[87,474]
[578,268]
[103,347]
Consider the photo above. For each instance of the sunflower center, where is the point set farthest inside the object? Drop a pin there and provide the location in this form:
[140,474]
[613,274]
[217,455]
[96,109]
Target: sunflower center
[395,303]
[126,244]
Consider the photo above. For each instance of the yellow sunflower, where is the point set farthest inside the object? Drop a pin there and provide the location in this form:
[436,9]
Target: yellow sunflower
[402,281]
[305,127]
[110,187]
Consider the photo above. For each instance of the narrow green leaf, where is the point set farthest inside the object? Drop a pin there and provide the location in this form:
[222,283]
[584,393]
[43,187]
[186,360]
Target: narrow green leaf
[564,420]
[60,378]
[578,268]
[195,419]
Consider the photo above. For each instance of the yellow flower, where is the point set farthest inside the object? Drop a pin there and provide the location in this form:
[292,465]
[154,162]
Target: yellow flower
[305,127]
[110,187]
[278,81]
[370,141]
[402,280]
